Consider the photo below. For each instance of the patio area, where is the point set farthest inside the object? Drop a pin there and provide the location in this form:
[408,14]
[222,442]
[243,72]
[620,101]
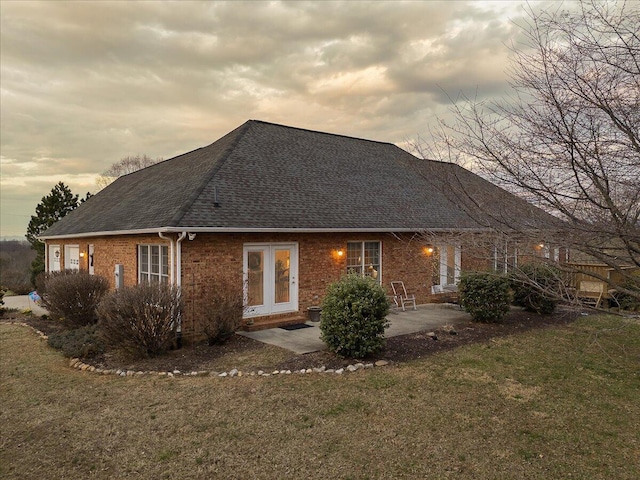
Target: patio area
[307,340]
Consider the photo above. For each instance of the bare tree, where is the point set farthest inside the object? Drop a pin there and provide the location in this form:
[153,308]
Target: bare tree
[568,138]
[124,166]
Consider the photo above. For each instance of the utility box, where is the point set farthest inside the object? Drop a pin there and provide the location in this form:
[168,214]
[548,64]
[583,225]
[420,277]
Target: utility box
[119,275]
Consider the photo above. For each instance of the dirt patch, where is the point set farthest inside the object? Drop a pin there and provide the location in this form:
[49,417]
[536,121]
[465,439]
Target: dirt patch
[250,354]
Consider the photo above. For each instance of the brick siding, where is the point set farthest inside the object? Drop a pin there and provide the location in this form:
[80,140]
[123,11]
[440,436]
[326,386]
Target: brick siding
[210,257]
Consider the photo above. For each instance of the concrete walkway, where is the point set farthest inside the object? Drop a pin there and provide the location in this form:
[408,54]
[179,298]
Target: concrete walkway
[307,340]
[23,302]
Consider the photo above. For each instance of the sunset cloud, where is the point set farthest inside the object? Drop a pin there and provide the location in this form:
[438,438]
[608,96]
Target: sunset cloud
[87,83]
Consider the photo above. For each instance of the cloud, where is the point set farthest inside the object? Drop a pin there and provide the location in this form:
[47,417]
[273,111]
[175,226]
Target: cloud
[87,83]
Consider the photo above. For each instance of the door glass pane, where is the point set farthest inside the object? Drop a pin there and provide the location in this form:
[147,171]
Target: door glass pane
[282,274]
[255,275]
[451,265]
[435,266]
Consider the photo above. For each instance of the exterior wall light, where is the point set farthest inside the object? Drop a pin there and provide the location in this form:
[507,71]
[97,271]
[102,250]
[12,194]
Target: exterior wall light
[338,253]
[428,250]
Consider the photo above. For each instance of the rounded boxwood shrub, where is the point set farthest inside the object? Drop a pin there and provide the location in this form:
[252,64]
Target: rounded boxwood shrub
[73,296]
[536,287]
[353,317]
[485,296]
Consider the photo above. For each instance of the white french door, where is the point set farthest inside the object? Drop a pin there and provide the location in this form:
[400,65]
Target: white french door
[54,258]
[270,273]
[450,264]
[72,257]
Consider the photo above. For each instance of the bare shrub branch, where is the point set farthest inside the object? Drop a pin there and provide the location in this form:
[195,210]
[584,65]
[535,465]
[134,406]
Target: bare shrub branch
[73,296]
[141,319]
[225,306]
[567,139]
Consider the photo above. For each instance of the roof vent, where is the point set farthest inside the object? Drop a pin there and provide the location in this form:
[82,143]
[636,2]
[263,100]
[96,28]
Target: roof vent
[216,204]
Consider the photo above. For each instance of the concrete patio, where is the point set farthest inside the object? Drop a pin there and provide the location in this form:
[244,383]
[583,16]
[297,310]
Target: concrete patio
[307,340]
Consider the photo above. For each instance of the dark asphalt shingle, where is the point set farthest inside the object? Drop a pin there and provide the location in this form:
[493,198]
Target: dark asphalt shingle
[272,177]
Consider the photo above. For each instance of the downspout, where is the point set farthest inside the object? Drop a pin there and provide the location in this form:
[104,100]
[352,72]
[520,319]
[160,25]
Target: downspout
[171,256]
[178,283]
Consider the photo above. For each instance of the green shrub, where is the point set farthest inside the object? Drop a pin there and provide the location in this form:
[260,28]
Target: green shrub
[626,300]
[73,296]
[353,317]
[81,342]
[142,319]
[536,288]
[485,296]
[223,312]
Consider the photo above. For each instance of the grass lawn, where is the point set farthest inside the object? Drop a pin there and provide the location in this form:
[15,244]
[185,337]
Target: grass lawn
[552,403]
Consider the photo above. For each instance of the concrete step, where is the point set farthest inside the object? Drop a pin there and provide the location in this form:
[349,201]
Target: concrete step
[271,322]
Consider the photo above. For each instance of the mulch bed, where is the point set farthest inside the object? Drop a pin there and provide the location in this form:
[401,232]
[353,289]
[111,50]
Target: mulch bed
[397,349]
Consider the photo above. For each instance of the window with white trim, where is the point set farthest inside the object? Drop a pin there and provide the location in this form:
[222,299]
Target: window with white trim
[505,257]
[153,263]
[447,260]
[363,258]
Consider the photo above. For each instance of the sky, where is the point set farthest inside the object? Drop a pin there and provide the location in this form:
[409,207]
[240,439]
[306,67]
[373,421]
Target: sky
[84,84]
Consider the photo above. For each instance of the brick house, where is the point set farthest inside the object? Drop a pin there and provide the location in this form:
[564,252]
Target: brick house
[289,211]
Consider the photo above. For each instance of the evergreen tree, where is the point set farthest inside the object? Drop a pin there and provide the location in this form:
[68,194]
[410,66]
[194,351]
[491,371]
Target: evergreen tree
[50,209]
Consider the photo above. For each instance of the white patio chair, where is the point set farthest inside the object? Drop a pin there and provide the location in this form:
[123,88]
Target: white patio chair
[400,296]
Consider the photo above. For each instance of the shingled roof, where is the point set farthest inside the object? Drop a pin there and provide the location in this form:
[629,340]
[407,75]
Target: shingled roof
[268,177]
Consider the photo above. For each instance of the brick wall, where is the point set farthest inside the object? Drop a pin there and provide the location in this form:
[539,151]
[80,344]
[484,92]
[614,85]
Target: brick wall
[109,251]
[209,257]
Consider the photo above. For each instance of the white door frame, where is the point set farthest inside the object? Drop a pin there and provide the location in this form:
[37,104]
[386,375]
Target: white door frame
[72,257]
[444,263]
[53,260]
[269,305]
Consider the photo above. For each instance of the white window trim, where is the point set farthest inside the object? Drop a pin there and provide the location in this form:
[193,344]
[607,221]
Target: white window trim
[150,276]
[362,266]
[457,264]
[503,254]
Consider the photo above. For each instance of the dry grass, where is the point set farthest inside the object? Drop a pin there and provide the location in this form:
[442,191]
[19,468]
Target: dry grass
[553,403]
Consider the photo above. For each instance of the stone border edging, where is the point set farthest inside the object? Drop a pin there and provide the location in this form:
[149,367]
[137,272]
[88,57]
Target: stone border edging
[77,364]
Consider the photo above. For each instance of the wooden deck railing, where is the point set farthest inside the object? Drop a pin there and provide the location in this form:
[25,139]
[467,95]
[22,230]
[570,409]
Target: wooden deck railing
[594,272]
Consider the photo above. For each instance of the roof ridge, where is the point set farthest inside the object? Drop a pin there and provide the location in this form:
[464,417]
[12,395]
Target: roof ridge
[321,132]
[180,213]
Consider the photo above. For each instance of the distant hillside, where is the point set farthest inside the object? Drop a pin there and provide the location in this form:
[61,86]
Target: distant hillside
[15,264]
